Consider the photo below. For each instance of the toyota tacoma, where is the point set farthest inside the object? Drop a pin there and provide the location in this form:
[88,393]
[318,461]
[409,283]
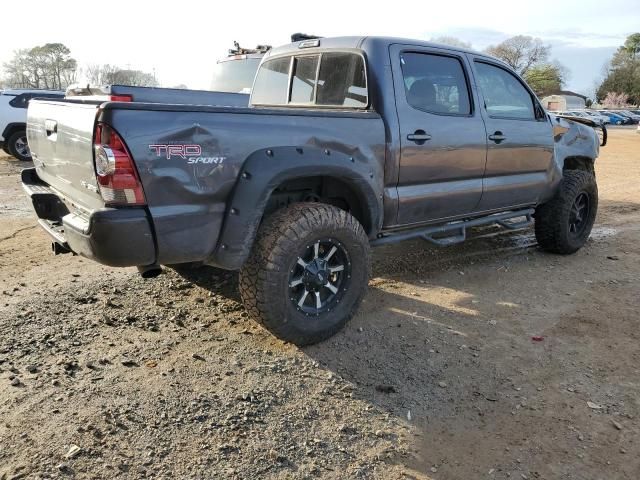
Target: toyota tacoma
[346,143]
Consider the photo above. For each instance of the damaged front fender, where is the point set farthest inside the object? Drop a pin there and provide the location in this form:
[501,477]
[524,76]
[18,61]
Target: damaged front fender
[576,137]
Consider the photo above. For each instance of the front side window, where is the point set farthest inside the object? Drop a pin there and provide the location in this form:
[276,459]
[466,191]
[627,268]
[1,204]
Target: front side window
[435,83]
[504,95]
[338,81]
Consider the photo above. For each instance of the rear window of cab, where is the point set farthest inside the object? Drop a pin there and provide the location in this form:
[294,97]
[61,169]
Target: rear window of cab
[329,79]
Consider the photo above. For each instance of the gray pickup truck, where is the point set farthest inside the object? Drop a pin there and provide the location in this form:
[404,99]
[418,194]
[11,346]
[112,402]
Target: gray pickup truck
[346,143]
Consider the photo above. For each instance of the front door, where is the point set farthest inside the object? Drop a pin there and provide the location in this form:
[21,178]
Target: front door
[442,135]
[520,146]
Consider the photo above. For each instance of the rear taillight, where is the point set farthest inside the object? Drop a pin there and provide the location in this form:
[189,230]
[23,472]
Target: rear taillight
[115,171]
[121,98]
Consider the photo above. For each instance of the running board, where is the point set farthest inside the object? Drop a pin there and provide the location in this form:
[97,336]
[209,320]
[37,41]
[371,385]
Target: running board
[458,230]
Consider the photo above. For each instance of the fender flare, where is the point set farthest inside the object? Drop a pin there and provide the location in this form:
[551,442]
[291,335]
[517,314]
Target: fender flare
[265,169]
[11,127]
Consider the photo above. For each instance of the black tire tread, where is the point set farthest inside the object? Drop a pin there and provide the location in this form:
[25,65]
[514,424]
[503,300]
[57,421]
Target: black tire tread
[550,217]
[279,235]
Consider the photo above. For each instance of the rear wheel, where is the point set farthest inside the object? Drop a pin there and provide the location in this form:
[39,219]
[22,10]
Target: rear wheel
[18,147]
[307,272]
[564,223]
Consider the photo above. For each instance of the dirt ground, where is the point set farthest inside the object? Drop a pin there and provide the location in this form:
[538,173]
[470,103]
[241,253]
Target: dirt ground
[105,375]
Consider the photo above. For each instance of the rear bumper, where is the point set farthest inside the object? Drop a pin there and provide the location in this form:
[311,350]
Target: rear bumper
[111,236]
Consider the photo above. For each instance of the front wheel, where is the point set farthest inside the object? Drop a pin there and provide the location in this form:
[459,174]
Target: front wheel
[18,147]
[564,223]
[307,272]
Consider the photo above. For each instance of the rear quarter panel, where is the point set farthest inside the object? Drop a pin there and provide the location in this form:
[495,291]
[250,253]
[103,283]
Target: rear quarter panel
[188,193]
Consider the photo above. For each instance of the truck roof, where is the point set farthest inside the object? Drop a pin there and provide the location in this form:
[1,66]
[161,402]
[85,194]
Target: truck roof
[20,91]
[361,41]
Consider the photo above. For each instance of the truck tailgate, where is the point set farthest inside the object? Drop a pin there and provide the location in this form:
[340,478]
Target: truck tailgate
[60,136]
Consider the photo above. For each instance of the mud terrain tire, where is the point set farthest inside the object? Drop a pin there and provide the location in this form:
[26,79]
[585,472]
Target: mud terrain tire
[306,247]
[564,223]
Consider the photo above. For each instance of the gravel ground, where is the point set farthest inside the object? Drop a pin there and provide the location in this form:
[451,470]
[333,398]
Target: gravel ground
[489,359]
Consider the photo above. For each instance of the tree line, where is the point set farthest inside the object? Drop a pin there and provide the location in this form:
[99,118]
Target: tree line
[621,84]
[52,67]
[529,57]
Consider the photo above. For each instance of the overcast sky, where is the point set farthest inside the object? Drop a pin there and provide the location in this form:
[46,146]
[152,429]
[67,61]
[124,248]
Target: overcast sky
[181,40]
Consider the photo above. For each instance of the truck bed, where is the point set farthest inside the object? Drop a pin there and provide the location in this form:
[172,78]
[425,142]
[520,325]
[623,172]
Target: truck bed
[158,95]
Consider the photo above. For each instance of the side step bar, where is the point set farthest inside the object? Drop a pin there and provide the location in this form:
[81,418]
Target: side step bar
[458,230]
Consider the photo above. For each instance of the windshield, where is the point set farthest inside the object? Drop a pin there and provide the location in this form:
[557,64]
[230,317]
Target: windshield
[234,76]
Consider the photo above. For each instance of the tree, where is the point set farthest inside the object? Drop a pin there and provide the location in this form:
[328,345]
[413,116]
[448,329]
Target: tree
[453,41]
[545,79]
[114,75]
[615,100]
[622,74]
[48,66]
[632,46]
[521,52]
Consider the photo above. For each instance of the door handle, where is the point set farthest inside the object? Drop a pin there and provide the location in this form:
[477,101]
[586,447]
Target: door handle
[419,136]
[497,137]
[51,127]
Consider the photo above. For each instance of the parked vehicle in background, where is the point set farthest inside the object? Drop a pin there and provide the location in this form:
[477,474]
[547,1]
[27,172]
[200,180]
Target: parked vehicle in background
[235,73]
[615,118]
[13,119]
[347,143]
[626,113]
[597,117]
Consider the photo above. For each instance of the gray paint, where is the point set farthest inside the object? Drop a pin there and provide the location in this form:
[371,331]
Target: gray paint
[210,212]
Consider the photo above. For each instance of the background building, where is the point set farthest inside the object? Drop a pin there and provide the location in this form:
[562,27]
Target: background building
[564,100]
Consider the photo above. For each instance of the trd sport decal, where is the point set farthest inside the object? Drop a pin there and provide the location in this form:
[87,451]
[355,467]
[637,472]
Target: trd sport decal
[191,153]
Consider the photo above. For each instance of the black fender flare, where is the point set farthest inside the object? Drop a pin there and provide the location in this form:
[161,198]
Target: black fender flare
[12,127]
[265,169]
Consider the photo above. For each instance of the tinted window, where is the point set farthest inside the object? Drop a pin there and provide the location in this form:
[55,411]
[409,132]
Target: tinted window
[272,82]
[435,83]
[342,80]
[504,95]
[235,76]
[22,100]
[303,83]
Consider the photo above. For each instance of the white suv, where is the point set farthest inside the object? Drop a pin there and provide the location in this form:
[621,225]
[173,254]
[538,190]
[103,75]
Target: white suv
[13,119]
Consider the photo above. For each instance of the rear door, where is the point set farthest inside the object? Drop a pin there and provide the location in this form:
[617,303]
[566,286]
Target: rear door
[442,135]
[520,139]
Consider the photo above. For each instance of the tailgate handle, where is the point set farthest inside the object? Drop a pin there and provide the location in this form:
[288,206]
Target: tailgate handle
[51,126]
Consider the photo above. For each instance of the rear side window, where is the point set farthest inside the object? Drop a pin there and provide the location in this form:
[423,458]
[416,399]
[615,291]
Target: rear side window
[435,83]
[504,95]
[272,82]
[332,79]
[22,100]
